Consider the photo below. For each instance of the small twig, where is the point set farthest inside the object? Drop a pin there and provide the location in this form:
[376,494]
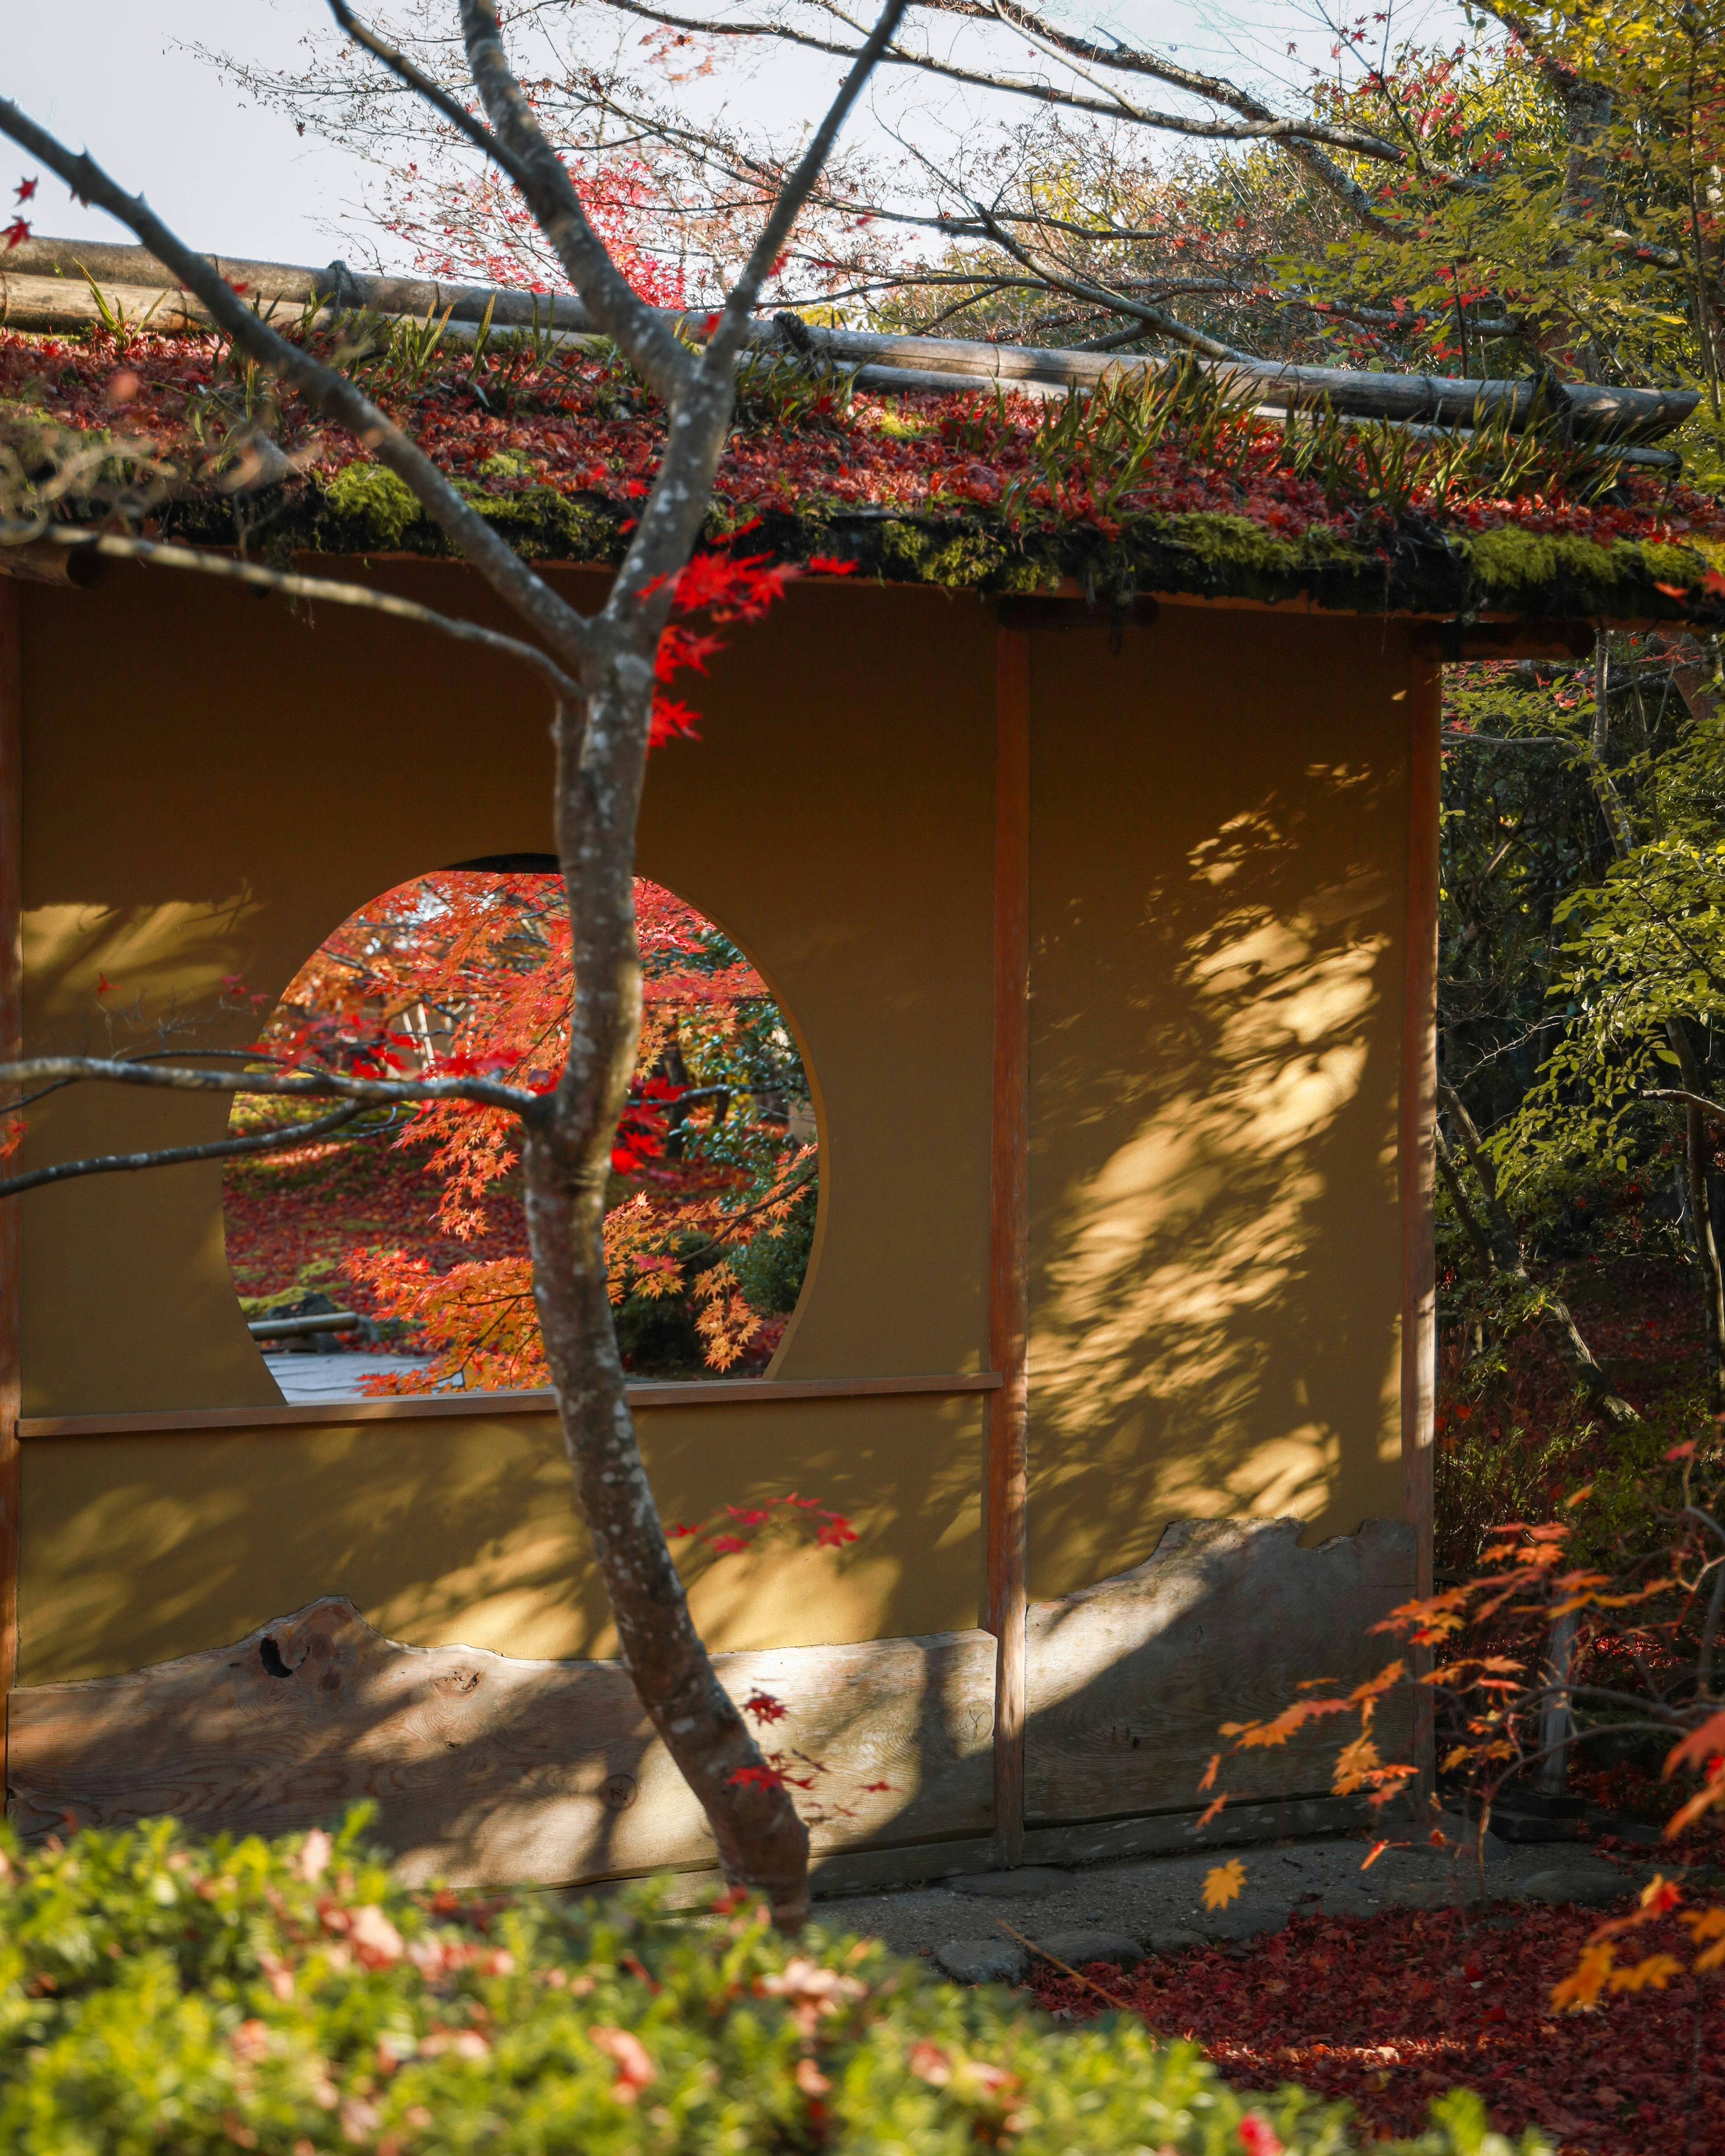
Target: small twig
[1078,1977]
[260,578]
[275,1141]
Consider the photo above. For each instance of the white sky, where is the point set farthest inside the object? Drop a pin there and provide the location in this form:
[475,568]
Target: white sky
[117,77]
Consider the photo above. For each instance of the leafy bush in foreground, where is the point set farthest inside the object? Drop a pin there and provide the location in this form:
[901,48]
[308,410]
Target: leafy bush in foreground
[159,1994]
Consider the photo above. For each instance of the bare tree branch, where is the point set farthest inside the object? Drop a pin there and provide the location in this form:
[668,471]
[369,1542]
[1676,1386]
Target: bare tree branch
[333,394]
[1698,1101]
[277,1141]
[307,1085]
[165,555]
[1260,125]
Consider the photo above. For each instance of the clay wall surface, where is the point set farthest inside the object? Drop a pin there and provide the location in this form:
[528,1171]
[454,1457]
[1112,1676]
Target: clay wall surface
[1218,848]
[1217,869]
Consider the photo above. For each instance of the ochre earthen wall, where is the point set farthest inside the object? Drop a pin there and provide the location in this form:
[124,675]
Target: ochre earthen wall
[1217,871]
[1218,848]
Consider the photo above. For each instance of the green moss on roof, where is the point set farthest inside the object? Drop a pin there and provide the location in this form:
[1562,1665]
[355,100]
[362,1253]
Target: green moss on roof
[366,510]
[1125,496]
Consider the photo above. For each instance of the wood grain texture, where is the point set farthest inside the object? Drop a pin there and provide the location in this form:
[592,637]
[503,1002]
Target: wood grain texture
[1009,1233]
[11,984]
[1418,1143]
[1129,1680]
[426,1407]
[486,1768]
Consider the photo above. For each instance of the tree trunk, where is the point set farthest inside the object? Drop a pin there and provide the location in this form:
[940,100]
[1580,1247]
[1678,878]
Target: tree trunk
[763,1844]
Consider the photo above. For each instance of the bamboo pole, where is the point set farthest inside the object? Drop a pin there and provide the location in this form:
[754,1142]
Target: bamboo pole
[45,283]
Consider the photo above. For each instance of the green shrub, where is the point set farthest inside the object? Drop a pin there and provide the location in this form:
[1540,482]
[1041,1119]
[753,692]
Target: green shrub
[163,1995]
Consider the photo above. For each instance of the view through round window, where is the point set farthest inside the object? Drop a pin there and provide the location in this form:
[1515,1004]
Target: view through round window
[391,1255]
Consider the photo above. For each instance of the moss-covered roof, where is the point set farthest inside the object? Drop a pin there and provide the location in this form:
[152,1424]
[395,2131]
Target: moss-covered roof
[1165,490]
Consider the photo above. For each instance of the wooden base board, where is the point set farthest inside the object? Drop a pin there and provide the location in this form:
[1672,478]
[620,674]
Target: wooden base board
[486,1769]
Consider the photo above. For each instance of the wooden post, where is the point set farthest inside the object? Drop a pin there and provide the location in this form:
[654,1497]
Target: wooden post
[1418,1150]
[1009,1236]
[11,1027]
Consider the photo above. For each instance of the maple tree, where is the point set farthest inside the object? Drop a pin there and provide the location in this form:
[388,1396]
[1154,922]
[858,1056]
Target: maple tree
[604,676]
[1606,1623]
[465,972]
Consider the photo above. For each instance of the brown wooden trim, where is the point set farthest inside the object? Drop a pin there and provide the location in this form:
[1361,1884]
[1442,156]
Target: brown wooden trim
[11,992]
[430,1407]
[1450,642]
[1418,1112]
[1418,1147]
[1010,1235]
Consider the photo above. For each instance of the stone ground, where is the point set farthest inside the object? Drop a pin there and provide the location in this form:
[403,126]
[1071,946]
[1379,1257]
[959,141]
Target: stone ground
[1122,1911]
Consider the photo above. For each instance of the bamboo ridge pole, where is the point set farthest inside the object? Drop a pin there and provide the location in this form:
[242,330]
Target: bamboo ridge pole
[44,284]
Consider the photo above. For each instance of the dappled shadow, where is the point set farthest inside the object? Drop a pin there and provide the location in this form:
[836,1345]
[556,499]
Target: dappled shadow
[1216,994]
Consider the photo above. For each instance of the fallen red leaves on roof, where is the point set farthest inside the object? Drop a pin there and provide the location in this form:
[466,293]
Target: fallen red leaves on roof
[580,426]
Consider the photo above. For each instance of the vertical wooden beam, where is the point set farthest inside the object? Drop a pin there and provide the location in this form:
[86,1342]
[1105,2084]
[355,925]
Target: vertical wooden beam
[1419,1112]
[1009,1236]
[1418,1147]
[11,1026]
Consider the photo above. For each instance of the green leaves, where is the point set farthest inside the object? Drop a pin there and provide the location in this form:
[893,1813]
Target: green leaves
[161,1996]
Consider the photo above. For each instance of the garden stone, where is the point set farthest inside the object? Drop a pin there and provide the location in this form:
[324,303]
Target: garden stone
[1244,1920]
[1589,1885]
[1009,1885]
[983,1961]
[1075,1949]
[1348,1901]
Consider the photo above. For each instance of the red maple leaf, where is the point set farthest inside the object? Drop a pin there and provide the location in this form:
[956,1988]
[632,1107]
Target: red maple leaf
[759,1778]
[15,233]
[25,189]
[762,1706]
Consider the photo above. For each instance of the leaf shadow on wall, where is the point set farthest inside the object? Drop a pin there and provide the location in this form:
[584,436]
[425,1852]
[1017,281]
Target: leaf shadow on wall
[1215,1252]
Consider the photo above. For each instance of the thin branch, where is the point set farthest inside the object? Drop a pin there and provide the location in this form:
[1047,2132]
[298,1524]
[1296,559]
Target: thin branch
[276,1140]
[1686,1099]
[331,392]
[435,94]
[1265,126]
[311,1084]
[255,574]
[798,188]
[644,335]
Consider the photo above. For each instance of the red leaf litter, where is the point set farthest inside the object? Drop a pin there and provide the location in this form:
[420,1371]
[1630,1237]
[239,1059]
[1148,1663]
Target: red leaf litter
[1392,2010]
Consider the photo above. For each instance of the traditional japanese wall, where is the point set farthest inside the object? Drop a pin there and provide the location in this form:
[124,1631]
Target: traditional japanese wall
[217,798]
[1218,815]
[1217,870]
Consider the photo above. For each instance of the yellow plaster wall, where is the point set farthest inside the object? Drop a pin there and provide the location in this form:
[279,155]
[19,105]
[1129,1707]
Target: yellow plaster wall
[1218,869]
[212,797]
[461,1532]
[211,784]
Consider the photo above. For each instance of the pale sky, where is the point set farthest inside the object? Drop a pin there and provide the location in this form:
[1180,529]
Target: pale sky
[117,77]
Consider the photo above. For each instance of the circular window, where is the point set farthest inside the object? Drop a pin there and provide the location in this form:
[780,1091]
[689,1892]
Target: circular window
[390,1255]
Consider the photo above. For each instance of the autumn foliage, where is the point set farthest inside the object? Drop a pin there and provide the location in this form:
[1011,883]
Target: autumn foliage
[469,971]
